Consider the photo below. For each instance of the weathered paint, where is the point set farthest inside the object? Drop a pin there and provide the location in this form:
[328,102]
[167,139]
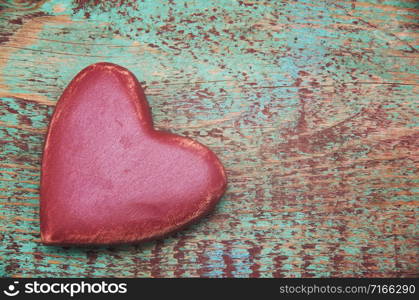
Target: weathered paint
[309,104]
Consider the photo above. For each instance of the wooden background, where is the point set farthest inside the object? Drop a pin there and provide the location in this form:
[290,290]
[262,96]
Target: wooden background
[310,105]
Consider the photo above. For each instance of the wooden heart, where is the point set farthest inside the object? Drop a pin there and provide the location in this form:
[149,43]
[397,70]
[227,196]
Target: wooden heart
[109,177]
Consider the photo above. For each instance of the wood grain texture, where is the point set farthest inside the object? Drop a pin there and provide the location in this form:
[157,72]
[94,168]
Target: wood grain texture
[311,106]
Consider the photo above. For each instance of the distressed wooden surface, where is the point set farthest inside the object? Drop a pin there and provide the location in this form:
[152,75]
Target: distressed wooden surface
[309,104]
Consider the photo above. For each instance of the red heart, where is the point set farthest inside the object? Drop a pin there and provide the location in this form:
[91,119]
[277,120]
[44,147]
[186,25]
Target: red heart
[109,177]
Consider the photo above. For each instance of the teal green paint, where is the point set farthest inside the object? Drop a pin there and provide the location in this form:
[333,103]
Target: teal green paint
[220,82]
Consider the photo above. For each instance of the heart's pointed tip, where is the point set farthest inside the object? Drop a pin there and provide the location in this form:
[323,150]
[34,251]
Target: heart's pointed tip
[47,238]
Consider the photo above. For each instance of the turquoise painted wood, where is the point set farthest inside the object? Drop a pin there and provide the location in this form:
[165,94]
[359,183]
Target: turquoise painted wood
[311,105]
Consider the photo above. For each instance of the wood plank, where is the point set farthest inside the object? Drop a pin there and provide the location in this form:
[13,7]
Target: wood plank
[309,104]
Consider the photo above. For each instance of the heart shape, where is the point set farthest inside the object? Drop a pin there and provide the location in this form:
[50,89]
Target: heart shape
[109,177]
